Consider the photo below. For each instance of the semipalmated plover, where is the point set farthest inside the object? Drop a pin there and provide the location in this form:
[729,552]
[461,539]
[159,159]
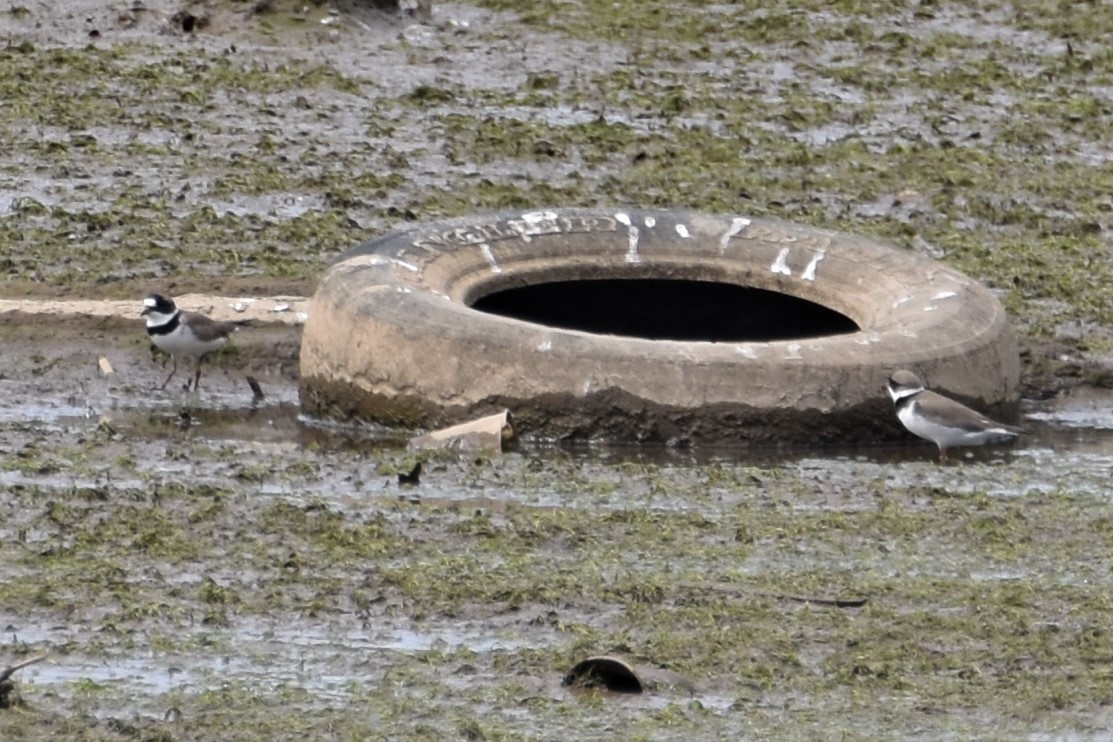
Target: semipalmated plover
[943,421]
[183,333]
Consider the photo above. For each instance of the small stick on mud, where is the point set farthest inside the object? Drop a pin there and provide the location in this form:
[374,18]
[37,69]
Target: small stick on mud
[6,685]
[257,395]
[836,602]
[723,587]
[412,479]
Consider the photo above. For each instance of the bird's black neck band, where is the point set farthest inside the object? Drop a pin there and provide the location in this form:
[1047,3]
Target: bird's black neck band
[166,327]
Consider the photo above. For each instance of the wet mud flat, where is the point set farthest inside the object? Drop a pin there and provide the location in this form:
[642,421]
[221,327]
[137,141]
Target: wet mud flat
[237,570]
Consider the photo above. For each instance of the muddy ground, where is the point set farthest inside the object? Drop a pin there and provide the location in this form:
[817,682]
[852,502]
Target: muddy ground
[196,566]
[204,565]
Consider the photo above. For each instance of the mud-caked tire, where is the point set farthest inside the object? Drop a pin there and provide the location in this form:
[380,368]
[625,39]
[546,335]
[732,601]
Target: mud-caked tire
[393,335]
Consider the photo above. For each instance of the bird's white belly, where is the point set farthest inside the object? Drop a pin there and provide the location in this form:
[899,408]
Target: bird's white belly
[947,437]
[179,343]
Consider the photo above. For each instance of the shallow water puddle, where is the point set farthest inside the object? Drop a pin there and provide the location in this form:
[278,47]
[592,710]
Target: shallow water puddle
[307,655]
[1082,408]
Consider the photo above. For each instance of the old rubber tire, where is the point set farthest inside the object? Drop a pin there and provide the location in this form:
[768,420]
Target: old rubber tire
[392,336]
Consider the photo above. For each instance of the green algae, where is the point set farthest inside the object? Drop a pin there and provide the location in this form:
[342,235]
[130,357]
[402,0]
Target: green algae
[994,137]
[977,605]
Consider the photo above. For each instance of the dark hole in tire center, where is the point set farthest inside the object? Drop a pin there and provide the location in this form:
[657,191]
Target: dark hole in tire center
[661,309]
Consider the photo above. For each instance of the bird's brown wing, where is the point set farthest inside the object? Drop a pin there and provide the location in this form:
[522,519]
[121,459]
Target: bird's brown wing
[208,329]
[936,405]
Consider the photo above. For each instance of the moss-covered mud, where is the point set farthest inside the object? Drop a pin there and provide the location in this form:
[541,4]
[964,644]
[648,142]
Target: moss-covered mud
[232,572]
[235,572]
[248,153]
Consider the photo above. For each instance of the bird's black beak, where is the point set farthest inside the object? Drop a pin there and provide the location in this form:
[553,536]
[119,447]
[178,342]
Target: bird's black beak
[146,311]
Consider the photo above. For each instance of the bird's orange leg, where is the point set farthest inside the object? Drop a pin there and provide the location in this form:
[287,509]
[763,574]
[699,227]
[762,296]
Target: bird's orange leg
[173,370]
[197,376]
